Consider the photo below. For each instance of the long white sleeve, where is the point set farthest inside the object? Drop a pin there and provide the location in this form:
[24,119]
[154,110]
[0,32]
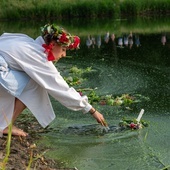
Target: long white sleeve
[28,56]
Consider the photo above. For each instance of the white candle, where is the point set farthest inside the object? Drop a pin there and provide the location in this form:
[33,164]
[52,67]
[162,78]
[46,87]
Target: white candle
[140,115]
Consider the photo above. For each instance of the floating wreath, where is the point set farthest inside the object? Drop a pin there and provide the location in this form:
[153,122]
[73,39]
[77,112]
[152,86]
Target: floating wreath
[124,99]
[134,124]
[75,77]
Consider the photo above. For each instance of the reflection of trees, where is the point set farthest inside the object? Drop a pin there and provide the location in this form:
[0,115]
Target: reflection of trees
[103,49]
[109,50]
[151,52]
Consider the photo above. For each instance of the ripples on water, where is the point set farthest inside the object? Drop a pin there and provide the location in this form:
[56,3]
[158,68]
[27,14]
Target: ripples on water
[88,146]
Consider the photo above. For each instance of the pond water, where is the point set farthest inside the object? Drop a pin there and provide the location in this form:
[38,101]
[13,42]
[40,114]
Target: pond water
[141,67]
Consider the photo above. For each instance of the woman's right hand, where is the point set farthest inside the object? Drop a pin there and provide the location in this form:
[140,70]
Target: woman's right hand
[99,118]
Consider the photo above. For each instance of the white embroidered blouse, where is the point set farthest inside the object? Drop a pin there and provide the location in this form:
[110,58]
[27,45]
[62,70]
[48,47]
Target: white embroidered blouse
[26,73]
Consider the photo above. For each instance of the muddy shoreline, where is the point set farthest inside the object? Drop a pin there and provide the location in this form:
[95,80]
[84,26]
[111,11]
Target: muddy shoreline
[24,148]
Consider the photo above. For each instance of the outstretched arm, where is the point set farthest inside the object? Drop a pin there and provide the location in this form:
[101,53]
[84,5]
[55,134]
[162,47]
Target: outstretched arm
[98,116]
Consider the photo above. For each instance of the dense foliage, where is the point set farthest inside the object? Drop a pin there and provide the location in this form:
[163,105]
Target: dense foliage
[24,9]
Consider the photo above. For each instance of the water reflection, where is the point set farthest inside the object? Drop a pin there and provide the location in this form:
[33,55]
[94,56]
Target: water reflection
[93,42]
[137,40]
[163,39]
[121,41]
[126,63]
[152,49]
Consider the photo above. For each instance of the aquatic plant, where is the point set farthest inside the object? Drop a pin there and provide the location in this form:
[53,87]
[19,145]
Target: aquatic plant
[73,80]
[76,78]
[78,71]
[76,75]
[111,100]
[93,97]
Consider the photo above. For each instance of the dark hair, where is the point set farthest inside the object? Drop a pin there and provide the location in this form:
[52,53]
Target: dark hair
[48,38]
[51,32]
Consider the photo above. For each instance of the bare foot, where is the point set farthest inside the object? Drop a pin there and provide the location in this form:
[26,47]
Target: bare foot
[15,131]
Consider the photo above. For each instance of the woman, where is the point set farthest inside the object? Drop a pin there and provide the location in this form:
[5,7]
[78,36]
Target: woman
[28,76]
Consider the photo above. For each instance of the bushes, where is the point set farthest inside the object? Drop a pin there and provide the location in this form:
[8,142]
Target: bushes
[19,9]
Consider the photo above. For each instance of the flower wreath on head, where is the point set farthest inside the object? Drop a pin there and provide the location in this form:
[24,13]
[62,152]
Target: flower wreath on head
[62,37]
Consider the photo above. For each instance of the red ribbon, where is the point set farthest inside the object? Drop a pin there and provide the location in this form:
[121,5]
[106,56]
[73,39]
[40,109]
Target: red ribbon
[48,49]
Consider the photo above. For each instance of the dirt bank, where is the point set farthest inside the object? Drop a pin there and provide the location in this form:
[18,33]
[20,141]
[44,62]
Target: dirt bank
[23,147]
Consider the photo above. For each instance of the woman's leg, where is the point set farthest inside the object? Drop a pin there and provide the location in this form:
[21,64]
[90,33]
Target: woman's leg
[18,108]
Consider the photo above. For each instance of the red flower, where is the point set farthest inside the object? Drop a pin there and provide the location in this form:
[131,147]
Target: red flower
[76,41]
[81,94]
[132,125]
[63,38]
[75,44]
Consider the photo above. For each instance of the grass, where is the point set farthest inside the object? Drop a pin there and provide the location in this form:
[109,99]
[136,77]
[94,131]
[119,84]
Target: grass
[8,146]
[33,158]
[42,9]
[145,7]
[60,9]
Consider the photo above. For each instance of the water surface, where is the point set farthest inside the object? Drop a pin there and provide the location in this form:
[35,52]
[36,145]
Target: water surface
[118,70]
